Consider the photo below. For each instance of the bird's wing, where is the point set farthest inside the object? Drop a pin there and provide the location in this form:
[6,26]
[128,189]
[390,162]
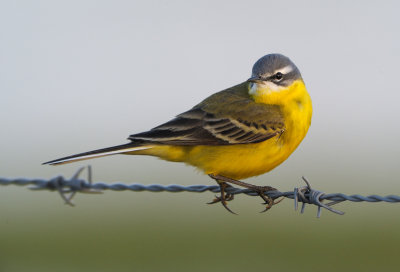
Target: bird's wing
[225,118]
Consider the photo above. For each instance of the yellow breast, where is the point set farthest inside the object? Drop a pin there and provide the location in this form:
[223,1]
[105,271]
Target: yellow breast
[296,106]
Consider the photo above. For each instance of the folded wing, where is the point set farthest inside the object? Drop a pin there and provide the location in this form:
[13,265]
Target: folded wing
[226,118]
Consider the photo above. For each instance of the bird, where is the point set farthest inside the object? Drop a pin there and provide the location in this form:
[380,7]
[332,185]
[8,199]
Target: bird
[240,132]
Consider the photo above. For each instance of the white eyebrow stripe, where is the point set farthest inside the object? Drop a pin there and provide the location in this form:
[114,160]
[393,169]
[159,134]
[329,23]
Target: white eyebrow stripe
[285,70]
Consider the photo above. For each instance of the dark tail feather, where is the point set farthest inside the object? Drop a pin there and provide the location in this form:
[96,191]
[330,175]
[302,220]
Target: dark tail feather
[98,153]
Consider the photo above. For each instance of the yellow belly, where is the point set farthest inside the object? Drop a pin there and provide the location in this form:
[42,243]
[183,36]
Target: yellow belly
[240,161]
[247,160]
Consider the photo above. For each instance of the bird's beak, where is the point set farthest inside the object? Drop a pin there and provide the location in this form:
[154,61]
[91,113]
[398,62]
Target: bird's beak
[255,79]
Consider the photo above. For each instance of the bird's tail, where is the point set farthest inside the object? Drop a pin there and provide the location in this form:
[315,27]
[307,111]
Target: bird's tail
[119,149]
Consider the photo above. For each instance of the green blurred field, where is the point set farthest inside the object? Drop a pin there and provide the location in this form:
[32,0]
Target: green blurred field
[177,232]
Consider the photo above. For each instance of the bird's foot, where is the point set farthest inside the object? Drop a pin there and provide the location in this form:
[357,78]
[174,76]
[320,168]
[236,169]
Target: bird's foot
[224,197]
[268,200]
[260,190]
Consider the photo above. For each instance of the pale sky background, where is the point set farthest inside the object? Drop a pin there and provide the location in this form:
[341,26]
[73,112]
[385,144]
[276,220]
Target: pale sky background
[81,75]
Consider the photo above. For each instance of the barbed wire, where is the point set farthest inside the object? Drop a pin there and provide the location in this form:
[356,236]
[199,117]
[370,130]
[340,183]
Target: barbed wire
[68,188]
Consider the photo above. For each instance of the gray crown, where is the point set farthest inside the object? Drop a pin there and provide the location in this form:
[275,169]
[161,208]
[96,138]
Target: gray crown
[266,67]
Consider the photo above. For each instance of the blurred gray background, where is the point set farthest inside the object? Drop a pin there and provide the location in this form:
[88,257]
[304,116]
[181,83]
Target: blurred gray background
[81,75]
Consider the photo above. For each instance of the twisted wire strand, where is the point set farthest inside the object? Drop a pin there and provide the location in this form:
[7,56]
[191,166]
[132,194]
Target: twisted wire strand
[67,189]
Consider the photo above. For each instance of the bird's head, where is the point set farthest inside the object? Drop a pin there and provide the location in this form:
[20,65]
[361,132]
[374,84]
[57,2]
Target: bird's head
[271,74]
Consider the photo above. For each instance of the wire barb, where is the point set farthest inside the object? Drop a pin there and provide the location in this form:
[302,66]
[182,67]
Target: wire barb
[67,188]
[308,195]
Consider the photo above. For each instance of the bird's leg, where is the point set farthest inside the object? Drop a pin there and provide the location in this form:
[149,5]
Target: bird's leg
[224,197]
[258,189]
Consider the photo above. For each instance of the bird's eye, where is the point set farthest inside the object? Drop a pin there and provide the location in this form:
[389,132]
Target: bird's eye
[278,76]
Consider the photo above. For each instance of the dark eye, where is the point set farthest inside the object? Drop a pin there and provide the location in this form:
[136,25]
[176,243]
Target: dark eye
[278,76]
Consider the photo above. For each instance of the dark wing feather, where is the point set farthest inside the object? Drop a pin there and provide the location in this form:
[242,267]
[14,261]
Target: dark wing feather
[225,118]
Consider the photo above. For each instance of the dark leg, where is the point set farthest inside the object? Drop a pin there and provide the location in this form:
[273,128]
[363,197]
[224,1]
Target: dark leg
[259,189]
[224,197]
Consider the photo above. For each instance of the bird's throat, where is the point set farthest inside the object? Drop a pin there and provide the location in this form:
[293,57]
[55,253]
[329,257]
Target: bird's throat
[271,94]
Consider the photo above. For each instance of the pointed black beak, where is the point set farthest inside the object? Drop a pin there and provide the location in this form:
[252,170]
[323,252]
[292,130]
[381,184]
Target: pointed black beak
[256,79]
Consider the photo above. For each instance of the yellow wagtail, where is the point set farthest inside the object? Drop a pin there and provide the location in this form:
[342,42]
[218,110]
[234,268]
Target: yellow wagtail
[240,132]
